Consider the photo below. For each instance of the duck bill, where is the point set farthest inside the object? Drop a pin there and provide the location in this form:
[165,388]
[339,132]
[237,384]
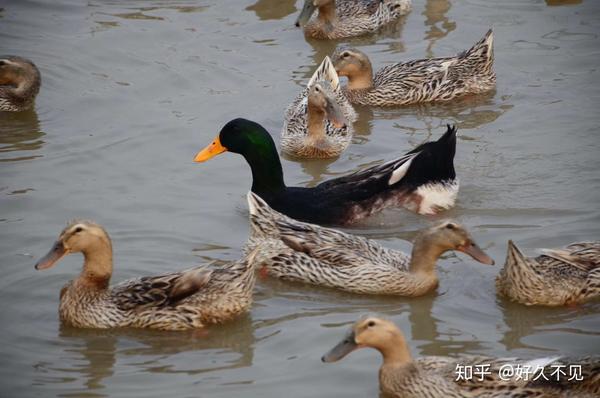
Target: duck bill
[210,151]
[475,251]
[57,252]
[343,348]
[335,114]
[307,11]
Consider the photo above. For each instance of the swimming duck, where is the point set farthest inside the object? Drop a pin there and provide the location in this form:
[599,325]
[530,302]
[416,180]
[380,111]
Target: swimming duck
[437,377]
[424,80]
[347,18]
[318,124]
[19,83]
[557,277]
[181,300]
[423,180]
[301,252]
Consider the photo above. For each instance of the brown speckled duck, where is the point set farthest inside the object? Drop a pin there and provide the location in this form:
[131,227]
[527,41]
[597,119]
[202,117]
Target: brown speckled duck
[401,376]
[181,300]
[19,83]
[557,277]
[318,124]
[301,252]
[424,80]
[337,19]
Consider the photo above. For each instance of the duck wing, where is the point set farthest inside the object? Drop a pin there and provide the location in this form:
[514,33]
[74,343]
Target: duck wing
[584,256]
[162,290]
[334,247]
[429,162]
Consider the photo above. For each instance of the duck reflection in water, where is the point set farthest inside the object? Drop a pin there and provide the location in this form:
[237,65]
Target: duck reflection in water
[273,9]
[532,328]
[227,346]
[20,135]
[439,24]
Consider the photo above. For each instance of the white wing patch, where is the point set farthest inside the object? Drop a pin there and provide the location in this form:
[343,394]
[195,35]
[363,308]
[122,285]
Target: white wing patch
[401,171]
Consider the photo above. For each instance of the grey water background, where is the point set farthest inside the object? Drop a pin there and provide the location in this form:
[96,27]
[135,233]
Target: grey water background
[133,89]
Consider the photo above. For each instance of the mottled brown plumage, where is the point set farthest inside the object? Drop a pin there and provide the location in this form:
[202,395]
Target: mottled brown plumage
[318,124]
[180,300]
[19,83]
[301,252]
[424,80]
[338,19]
[557,277]
[436,377]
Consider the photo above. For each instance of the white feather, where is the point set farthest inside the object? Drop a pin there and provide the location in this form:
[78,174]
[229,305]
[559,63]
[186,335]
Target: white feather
[401,171]
[436,196]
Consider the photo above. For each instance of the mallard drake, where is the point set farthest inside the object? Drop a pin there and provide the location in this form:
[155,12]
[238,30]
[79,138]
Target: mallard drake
[424,80]
[347,18]
[181,300]
[19,83]
[301,252]
[318,124]
[438,377]
[558,277]
[423,180]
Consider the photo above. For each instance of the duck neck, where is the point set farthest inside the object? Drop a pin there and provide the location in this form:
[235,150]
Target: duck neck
[97,266]
[424,256]
[363,79]
[327,13]
[395,352]
[267,173]
[316,123]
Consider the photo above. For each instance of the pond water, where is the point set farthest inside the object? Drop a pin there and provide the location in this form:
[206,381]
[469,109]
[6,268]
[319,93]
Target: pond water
[133,89]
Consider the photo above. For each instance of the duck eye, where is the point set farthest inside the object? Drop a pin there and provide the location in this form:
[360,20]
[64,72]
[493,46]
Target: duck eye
[371,324]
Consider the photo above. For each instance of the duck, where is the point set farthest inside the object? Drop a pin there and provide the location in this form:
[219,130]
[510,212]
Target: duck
[295,251]
[423,180]
[558,277]
[20,82]
[318,124]
[400,375]
[424,80]
[347,18]
[183,300]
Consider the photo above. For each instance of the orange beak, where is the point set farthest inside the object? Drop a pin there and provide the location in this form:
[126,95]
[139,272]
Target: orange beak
[210,151]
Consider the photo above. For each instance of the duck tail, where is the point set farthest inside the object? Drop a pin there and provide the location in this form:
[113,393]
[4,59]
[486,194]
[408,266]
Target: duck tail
[433,162]
[326,71]
[262,217]
[482,53]
[448,140]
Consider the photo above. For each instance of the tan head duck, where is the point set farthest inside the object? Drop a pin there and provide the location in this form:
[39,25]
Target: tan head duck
[566,276]
[318,124]
[19,83]
[424,80]
[301,252]
[181,300]
[340,19]
[436,377]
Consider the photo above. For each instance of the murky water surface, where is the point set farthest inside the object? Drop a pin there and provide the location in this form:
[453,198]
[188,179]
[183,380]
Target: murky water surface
[132,89]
